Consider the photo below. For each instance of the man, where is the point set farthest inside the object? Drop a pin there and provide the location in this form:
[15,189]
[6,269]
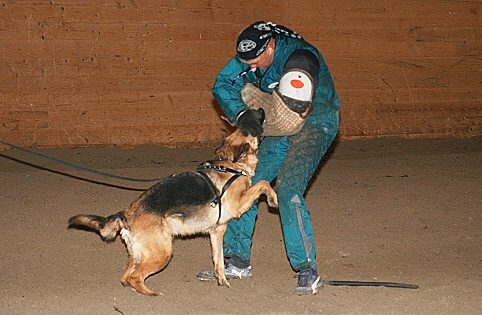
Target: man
[279,87]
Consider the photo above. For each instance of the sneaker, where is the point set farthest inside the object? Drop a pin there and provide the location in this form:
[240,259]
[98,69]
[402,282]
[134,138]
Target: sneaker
[234,268]
[308,282]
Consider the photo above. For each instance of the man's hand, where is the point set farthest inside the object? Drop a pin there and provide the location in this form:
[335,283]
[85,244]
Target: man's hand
[251,122]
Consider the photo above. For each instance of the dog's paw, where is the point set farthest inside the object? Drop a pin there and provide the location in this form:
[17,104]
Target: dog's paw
[273,200]
[224,283]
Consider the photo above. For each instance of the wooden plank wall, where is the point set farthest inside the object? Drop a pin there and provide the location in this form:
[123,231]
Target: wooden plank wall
[80,73]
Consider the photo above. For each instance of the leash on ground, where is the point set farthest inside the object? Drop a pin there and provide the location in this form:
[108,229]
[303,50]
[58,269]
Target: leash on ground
[78,166]
[350,283]
[370,284]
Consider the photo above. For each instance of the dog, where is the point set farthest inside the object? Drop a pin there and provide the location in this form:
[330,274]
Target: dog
[186,204]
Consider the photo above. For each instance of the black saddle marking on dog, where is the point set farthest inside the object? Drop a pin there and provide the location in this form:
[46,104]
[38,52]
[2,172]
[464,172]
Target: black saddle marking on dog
[175,194]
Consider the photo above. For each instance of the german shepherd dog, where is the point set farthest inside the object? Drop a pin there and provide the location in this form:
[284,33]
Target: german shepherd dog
[197,202]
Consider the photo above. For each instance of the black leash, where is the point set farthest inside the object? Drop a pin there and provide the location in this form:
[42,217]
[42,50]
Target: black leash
[79,166]
[370,284]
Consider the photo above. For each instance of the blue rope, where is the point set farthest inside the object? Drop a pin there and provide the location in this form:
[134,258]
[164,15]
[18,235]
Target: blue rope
[79,166]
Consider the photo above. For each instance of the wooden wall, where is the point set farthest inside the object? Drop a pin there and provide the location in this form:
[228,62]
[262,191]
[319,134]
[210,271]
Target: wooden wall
[79,73]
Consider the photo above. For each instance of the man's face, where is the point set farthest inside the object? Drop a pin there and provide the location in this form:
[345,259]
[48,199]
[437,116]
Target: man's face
[264,60]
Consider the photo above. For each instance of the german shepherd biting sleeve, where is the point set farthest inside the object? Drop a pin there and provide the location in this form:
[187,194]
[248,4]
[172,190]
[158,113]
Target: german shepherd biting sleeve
[197,202]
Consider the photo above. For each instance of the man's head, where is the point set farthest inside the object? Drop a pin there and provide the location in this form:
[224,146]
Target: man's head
[255,45]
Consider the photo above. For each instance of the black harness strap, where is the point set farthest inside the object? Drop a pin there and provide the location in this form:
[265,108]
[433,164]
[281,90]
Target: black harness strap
[217,199]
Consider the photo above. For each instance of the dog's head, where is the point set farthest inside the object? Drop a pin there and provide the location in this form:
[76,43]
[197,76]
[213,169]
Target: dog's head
[239,149]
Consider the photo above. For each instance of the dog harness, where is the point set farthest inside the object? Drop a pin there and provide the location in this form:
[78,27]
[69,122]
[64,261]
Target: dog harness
[217,199]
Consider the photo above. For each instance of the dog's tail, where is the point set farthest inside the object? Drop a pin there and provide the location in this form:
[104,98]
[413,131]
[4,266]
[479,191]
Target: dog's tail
[108,228]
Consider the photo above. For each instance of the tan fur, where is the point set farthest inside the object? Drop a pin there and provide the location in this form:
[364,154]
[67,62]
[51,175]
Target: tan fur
[148,235]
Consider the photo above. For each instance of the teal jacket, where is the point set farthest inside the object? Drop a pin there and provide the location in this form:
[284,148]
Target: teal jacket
[229,82]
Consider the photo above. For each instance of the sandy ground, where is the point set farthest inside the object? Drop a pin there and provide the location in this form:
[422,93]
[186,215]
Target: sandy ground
[387,210]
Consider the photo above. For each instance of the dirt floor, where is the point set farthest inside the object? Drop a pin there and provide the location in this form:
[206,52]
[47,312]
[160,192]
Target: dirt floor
[387,210]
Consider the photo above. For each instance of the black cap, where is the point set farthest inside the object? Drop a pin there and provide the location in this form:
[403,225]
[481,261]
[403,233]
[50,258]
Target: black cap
[253,40]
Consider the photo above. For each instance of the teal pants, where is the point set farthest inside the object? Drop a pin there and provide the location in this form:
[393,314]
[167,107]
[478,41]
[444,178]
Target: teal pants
[292,160]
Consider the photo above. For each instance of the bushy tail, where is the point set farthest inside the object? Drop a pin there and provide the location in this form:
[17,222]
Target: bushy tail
[107,228]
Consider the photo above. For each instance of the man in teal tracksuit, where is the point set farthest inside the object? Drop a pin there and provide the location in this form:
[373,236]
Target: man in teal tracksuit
[265,52]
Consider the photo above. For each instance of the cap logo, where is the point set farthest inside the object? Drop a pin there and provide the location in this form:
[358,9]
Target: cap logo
[246,45]
[262,27]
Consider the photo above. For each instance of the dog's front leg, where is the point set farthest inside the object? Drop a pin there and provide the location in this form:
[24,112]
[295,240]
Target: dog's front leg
[249,196]
[216,236]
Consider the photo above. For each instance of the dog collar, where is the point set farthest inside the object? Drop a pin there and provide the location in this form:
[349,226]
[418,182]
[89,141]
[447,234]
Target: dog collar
[221,168]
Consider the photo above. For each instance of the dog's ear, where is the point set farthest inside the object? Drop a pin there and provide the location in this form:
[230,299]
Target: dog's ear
[224,152]
[235,145]
[227,151]
[231,153]
[240,151]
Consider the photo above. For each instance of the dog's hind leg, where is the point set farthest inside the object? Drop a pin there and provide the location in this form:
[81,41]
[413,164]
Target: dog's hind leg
[130,269]
[151,253]
[216,237]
